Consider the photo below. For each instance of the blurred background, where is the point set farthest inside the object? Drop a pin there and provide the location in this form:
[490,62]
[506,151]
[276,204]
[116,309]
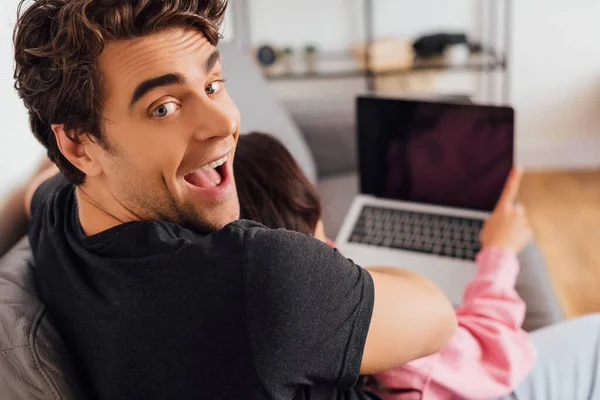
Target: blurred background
[552,70]
[539,56]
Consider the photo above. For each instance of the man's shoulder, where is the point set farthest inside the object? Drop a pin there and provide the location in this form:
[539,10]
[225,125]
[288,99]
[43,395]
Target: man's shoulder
[245,225]
[49,187]
[259,238]
[257,235]
[282,254]
[50,204]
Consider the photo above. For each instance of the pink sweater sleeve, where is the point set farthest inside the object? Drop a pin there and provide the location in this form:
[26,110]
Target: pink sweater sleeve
[489,353]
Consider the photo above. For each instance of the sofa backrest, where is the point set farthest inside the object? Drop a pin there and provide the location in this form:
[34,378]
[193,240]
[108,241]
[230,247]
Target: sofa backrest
[259,109]
[34,361]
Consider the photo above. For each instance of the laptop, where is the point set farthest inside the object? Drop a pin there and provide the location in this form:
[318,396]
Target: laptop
[430,174]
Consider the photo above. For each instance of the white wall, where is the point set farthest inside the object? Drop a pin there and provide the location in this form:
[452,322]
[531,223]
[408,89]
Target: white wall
[337,24]
[556,82]
[18,148]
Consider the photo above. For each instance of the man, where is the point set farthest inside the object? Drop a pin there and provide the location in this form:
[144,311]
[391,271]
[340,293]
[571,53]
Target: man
[148,275]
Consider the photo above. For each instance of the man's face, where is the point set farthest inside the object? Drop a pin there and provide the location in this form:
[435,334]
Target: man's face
[172,129]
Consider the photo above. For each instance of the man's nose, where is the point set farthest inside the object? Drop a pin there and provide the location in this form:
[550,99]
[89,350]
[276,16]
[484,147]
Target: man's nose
[215,119]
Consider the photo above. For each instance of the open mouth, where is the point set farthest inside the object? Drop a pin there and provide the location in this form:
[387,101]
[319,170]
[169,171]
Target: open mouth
[210,175]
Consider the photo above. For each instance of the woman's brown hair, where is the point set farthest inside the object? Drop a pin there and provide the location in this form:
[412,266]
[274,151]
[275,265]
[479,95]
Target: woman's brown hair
[57,44]
[271,186]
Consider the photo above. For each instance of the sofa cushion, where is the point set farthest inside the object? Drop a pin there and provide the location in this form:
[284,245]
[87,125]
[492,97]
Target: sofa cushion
[535,288]
[329,126]
[259,109]
[34,361]
[337,193]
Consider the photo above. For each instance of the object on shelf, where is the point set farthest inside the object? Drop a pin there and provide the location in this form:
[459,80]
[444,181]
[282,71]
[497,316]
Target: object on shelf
[348,67]
[385,55]
[457,54]
[436,44]
[451,48]
[310,58]
[287,59]
[266,57]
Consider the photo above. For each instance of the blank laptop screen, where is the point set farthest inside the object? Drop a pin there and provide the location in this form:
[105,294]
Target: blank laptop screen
[456,155]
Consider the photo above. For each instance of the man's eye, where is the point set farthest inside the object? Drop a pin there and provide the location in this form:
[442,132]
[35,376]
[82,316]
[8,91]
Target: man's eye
[214,87]
[165,110]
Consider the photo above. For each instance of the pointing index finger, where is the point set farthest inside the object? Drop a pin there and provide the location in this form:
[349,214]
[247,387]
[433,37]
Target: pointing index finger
[511,187]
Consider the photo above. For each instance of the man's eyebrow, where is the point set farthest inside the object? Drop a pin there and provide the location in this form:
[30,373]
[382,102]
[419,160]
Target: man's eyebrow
[153,83]
[170,79]
[211,61]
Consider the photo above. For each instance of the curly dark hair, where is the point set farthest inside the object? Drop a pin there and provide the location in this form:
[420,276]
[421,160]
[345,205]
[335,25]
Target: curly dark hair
[57,44]
[272,189]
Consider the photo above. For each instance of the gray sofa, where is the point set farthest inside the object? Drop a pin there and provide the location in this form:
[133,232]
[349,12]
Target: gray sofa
[34,362]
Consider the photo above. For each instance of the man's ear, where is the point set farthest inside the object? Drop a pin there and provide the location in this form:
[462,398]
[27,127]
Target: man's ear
[80,154]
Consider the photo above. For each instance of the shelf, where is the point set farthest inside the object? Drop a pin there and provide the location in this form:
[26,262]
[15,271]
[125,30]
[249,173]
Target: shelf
[477,64]
[494,30]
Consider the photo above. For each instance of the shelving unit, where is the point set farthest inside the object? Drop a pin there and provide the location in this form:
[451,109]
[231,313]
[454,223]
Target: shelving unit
[475,65]
[495,18]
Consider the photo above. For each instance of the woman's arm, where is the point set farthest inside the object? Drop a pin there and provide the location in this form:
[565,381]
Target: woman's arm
[412,318]
[14,208]
[491,350]
[13,220]
[490,353]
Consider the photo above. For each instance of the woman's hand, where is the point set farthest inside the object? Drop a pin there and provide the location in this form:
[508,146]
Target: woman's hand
[508,227]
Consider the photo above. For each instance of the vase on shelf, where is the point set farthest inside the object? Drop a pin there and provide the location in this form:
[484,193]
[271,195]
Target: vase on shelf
[287,59]
[266,57]
[310,58]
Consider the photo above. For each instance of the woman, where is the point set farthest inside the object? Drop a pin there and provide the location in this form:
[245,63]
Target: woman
[490,356]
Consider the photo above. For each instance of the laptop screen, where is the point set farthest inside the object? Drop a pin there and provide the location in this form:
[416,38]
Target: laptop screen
[456,155]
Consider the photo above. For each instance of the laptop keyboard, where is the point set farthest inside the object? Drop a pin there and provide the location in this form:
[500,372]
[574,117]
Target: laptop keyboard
[454,237]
